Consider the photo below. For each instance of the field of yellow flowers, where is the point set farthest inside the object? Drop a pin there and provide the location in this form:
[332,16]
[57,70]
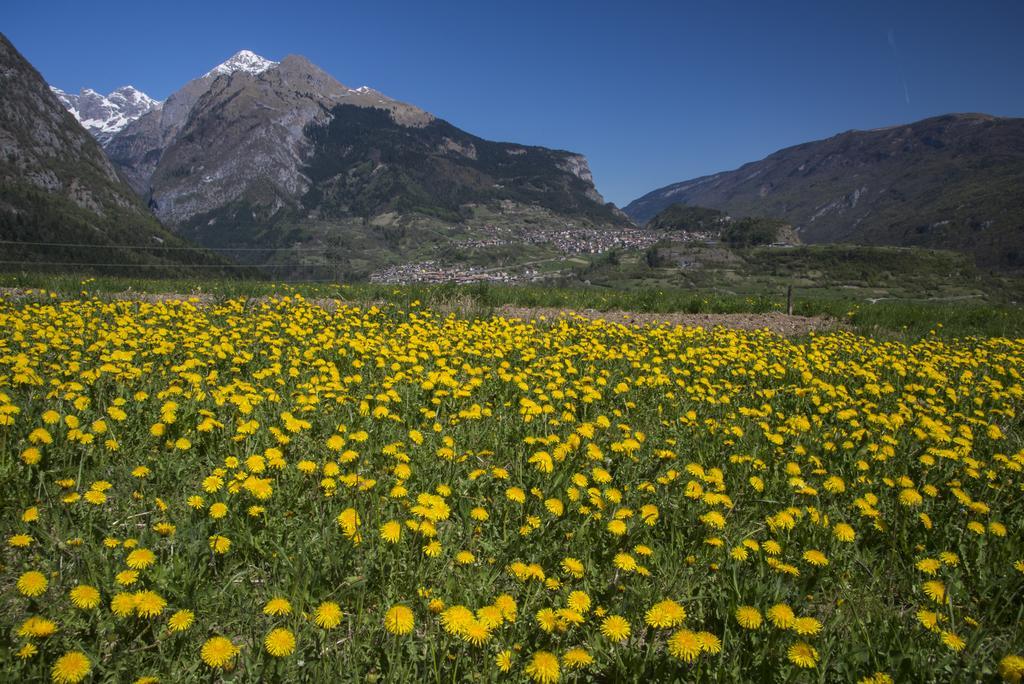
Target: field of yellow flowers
[280,491]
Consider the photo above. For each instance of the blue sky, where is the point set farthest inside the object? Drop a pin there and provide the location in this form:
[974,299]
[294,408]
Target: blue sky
[651,92]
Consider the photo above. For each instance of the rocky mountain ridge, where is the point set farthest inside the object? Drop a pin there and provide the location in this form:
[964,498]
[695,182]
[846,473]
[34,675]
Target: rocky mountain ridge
[249,142]
[948,182]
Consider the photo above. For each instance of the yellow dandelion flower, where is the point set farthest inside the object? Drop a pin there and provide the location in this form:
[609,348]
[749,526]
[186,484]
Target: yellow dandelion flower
[218,652]
[279,642]
[126,578]
[327,615]
[709,642]
[617,527]
[685,645]
[929,619]
[815,558]
[547,619]
[490,616]
[953,642]
[37,627]
[910,498]
[616,628]
[20,541]
[935,590]
[149,604]
[140,559]
[877,678]
[781,616]
[122,604]
[748,617]
[1011,668]
[577,658]
[399,620]
[624,562]
[181,620]
[806,626]
[456,620]
[475,633]
[665,614]
[32,583]
[578,601]
[391,531]
[802,654]
[277,606]
[85,597]
[70,668]
[507,605]
[573,567]
[543,668]
[220,544]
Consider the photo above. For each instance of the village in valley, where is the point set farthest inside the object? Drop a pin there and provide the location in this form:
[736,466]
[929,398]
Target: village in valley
[568,241]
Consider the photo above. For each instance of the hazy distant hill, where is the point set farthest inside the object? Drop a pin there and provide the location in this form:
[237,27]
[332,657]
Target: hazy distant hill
[949,182]
[57,186]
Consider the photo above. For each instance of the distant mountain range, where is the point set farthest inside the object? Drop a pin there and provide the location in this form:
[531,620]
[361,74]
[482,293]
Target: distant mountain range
[949,182]
[59,189]
[261,153]
[255,146]
[105,115]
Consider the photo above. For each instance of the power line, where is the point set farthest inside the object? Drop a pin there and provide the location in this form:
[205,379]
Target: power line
[171,265]
[187,249]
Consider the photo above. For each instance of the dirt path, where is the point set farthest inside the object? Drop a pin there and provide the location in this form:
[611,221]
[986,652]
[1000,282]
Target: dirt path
[777,322]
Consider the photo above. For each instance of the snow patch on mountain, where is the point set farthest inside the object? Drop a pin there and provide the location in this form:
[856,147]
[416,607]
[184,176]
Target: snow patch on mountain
[243,60]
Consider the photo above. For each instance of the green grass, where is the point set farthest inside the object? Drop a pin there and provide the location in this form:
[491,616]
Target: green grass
[900,319]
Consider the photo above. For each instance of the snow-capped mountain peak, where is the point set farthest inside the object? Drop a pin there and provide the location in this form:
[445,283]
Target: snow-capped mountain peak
[130,96]
[243,60]
[105,115]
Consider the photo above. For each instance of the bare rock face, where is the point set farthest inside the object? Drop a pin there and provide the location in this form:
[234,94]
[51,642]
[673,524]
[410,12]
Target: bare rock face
[61,201]
[577,165]
[237,133]
[42,144]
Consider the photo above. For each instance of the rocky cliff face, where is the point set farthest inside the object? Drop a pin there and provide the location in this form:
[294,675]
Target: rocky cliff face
[250,140]
[57,186]
[42,145]
[950,182]
[237,135]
